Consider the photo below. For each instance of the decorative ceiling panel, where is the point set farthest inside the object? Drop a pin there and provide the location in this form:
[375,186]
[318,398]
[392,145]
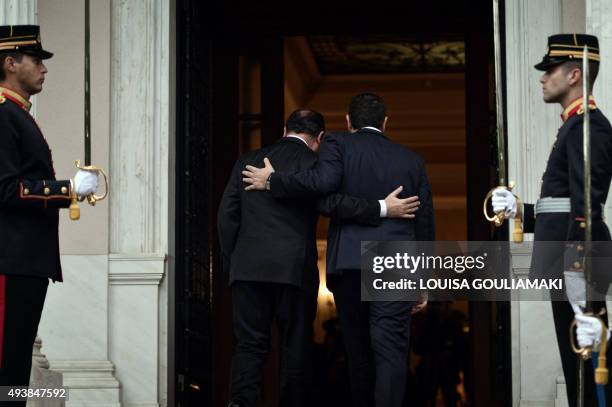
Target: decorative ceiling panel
[362,55]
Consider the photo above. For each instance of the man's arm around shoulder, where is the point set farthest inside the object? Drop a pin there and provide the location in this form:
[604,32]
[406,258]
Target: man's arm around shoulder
[369,212]
[324,178]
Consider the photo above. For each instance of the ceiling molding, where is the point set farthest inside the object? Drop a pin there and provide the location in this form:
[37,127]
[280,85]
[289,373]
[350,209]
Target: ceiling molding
[342,54]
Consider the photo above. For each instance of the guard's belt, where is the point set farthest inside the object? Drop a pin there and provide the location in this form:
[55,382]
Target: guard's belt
[552,205]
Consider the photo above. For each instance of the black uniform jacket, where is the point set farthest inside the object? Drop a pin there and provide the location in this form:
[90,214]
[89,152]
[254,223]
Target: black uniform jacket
[274,240]
[564,177]
[29,194]
[368,165]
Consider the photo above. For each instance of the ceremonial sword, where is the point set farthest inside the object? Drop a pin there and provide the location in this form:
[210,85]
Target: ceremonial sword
[584,354]
[498,218]
[74,210]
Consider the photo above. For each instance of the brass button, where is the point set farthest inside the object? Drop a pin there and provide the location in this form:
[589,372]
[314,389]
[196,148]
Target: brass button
[26,191]
[64,190]
[577,264]
[583,225]
[580,248]
[46,191]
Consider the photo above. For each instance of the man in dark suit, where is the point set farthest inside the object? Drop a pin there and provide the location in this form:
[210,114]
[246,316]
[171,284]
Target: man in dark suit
[30,198]
[559,214]
[363,163]
[269,249]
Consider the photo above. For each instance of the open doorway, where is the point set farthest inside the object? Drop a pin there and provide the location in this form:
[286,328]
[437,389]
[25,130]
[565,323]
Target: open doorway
[422,81]
[243,69]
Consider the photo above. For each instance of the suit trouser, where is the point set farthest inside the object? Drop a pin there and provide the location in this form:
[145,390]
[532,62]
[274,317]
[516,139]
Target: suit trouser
[376,337]
[563,316]
[21,305]
[255,306]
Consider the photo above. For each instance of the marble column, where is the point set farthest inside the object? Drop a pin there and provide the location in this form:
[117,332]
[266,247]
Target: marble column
[140,136]
[18,11]
[532,127]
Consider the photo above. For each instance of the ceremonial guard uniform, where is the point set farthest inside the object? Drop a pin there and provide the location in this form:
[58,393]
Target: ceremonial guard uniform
[30,198]
[29,194]
[559,213]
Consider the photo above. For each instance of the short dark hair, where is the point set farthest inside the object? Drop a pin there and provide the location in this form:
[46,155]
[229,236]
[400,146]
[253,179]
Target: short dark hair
[305,121]
[367,109]
[577,64]
[16,55]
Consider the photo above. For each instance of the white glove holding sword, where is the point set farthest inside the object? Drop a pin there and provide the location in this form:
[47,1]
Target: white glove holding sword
[588,328]
[503,200]
[85,182]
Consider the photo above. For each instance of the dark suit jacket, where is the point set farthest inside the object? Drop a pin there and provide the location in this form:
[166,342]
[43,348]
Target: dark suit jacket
[364,164]
[29,197]
[274,240]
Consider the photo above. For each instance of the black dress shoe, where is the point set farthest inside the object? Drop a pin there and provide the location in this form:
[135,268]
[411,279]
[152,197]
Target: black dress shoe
[233,404]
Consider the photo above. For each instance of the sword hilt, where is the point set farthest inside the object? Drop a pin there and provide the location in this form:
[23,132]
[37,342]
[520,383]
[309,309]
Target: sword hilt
[498,218]
[583,353]
[93,198]
[601,371]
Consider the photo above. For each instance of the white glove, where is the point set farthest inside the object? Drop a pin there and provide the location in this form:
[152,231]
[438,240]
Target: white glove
[588,332]
[85,182]
[503,201]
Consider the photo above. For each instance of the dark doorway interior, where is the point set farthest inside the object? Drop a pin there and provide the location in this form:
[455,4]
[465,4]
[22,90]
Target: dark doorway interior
[214,41]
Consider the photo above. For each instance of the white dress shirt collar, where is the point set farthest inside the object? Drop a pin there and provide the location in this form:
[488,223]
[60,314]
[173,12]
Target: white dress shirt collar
[297,137]
[371,128]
